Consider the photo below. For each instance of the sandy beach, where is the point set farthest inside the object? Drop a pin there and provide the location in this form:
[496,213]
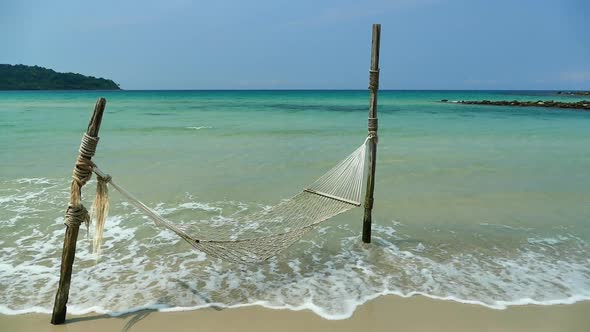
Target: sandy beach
[387,313]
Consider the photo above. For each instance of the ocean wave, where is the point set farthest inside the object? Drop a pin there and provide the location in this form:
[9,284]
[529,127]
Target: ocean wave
[329,272]
[200,127]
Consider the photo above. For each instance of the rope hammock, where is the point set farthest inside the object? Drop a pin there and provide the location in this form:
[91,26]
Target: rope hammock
[262,234]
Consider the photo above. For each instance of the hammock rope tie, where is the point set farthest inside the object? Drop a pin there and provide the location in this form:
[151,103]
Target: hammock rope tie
[374,87]
[83,168]
[260,235]
[373,125]
[374,80]
[76,215]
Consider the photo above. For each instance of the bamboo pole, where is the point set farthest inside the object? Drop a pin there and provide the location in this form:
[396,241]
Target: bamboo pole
[71,235]
[373,88]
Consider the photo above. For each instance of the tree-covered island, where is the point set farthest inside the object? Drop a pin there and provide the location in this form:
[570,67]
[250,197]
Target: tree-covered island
[22,77]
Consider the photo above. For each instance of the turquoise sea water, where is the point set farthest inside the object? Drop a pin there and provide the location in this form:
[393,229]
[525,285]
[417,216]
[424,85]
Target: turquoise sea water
[479,204]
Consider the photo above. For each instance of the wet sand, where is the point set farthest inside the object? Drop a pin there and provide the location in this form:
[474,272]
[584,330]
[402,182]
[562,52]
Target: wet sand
[386,313]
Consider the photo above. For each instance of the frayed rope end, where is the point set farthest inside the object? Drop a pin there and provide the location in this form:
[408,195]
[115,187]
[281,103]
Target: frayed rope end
[100,209]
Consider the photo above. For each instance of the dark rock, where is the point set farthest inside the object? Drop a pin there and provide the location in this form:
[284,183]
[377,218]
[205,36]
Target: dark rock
[574,93]
[584,104]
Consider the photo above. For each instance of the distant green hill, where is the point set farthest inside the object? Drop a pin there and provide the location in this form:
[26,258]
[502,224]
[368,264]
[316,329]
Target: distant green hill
[21,77]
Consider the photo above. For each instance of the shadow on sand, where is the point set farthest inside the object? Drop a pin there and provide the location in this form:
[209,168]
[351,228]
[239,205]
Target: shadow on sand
[137,316]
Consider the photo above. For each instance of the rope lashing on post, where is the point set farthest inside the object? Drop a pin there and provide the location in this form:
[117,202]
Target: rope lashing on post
[373,125]
[373,80]
[83,168]
[373,86]
[262,234]
[76,215]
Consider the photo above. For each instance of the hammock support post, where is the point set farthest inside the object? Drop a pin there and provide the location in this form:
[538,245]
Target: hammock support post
[373,88]
[72,228]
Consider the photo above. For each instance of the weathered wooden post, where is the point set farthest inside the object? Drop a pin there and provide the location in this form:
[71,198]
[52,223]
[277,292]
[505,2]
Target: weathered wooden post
[373,88]
[76,213]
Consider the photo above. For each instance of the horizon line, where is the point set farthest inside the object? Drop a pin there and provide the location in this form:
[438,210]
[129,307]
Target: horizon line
[297,89]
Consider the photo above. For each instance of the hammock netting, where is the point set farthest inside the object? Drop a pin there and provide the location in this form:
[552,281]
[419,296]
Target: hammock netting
[267,232]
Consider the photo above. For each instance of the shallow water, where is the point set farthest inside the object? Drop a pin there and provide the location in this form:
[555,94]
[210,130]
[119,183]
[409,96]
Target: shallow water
[479,204]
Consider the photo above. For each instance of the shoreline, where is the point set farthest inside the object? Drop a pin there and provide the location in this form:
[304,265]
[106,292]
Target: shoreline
[385,313]
[96,310]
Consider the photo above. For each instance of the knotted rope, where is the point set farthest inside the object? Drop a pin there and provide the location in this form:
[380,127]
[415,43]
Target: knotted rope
[374,80]
[76,215]
[373,86]
[373,125]
[83,168]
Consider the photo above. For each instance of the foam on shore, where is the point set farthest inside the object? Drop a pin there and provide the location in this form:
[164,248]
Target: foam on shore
[330,272]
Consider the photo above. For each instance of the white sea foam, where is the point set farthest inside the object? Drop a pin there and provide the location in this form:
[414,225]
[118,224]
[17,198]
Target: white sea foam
[548,240]
[329,272]
[200,127]
[34,181]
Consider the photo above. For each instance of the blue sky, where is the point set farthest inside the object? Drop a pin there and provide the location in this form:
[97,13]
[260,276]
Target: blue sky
[280,44]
